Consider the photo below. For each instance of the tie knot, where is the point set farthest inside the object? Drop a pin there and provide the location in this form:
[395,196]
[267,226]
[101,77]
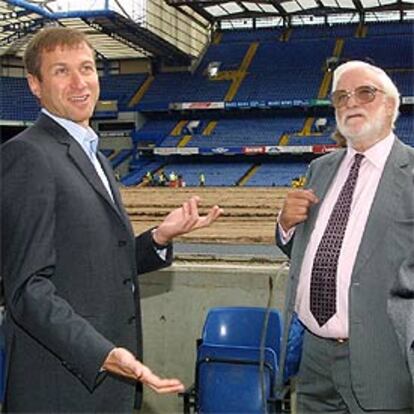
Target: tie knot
[358,158]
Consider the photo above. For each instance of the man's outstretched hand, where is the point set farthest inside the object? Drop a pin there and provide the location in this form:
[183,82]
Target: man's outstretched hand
[122,362]
[183,220]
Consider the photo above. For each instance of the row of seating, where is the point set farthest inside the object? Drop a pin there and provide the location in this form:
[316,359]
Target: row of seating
[222,174]
[240,132]
[278,71]
[121,88]
[317,31]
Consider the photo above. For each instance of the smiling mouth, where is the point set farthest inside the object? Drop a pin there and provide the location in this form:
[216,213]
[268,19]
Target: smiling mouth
[81,99]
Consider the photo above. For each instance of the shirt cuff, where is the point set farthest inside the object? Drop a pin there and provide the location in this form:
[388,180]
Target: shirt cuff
[160,249]
[284,236]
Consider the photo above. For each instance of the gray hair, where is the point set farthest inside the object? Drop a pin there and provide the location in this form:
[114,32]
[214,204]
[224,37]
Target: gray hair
[387,84]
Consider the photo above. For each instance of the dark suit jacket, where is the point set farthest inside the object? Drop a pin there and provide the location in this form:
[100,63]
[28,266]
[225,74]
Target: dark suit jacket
[379,372]
[69,264]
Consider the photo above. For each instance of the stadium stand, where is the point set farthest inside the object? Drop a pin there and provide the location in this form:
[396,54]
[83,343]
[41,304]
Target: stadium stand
[323,31]
[405,128]
[296,71]
[153,132]
[248,131]
[217,174]
[120,157]
[140,168]
[180,87]
[121,88]
[247,36]
[271,66]
[395,28]
[16,101]
[272,174]
[378,49]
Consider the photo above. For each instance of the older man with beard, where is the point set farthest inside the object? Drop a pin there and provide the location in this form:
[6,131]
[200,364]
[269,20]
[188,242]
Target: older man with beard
[348,233]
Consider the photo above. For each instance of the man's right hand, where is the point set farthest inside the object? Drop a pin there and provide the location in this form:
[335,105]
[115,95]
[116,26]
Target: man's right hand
[295,208]
[122,362]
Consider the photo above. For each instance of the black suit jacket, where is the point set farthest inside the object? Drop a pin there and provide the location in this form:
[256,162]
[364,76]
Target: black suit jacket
[69,264]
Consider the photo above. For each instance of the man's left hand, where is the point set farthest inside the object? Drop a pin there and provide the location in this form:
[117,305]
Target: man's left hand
[183,220]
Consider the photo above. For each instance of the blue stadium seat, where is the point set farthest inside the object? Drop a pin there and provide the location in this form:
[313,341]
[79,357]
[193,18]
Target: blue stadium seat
[228,375]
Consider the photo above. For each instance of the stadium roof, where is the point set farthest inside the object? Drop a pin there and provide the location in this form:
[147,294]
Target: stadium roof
[218,10]
[113,35]
[116,36]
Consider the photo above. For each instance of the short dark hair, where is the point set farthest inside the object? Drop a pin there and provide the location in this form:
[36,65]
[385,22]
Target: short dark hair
[47,40]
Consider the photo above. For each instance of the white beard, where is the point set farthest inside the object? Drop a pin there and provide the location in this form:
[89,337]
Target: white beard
[371,132]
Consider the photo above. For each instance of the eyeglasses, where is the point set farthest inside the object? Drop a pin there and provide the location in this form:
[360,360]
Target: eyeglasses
[363,95]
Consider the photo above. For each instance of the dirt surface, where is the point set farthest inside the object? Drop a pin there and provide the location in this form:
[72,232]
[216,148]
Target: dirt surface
[249,213]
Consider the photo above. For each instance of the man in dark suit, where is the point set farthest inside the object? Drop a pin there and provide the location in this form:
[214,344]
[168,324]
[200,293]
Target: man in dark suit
[69,256]
[348,233]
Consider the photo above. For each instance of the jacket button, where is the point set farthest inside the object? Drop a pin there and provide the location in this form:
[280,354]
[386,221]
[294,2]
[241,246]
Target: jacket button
[122,243]
[131,319]
[126,281]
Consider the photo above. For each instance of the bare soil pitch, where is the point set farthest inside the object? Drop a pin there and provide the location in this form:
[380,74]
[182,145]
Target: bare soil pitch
[249,213]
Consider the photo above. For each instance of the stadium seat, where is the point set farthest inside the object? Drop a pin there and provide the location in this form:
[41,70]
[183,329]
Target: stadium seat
[229,375]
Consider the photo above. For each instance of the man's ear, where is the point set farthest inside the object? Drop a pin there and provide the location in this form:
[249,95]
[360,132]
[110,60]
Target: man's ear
[34,85]
[390,106]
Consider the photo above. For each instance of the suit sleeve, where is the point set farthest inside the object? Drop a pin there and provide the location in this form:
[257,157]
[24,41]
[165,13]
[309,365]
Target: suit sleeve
[29,261]
[287,247]
[401,310]
[147,258]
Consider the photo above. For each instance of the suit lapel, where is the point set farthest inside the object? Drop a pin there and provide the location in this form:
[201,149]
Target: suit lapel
[385,204]
[114,186]
[77,155]
[81,160]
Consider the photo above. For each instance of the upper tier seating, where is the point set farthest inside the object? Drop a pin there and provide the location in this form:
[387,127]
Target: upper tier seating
[405,129]
[404,81]
[291,70]
[185,87]
[121,88]
[16,101]
[181,87]
[247,36]
[323,31]
[378,49]
[229,55]
[375,29]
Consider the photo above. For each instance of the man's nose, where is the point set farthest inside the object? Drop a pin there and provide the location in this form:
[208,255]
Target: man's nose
[351,101]
[77,80]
